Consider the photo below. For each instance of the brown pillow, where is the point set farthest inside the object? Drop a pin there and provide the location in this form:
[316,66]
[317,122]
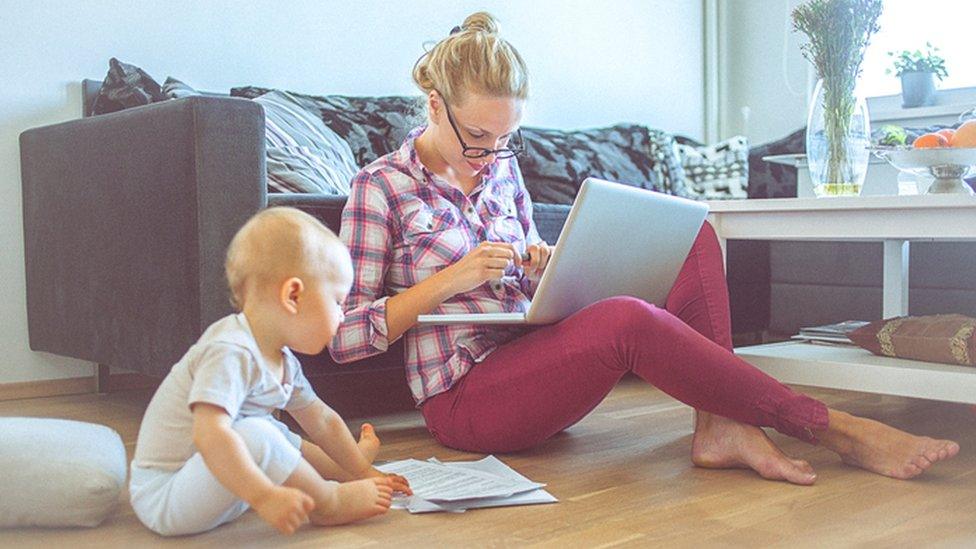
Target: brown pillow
[936,338]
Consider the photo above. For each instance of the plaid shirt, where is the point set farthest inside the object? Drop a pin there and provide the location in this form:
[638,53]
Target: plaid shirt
[402,224]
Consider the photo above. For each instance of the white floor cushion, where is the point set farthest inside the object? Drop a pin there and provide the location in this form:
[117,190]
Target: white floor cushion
[55,472]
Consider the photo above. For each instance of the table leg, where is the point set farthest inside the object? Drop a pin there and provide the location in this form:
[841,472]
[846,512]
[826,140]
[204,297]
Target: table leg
[894,285]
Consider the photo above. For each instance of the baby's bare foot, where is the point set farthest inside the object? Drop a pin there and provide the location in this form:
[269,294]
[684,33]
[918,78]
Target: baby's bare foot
[721,443]
[881,449]
[356,500]
[369,443]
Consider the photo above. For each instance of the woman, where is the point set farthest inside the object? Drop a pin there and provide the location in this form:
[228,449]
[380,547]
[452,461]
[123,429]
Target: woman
[440,224]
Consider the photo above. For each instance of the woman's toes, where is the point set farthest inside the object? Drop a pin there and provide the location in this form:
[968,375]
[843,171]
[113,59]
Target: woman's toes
[923,462]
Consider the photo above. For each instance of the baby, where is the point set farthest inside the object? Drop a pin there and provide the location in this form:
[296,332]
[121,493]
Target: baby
[209,448]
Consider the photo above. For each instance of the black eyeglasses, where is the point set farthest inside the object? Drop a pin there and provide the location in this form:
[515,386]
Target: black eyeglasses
[515,148]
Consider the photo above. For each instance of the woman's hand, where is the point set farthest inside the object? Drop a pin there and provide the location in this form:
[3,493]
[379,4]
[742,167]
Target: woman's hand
[486,262]
[538,259]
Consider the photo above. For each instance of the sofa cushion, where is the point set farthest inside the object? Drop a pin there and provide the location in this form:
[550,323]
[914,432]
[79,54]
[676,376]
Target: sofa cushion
[125,86]
[58,472]
[303,154]
[716,172]
[299,169]
[177,89]
[556,162]
[935,338]
[371,126]
[768,180]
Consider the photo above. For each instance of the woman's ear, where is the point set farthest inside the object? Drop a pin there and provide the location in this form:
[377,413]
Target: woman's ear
[435,105]
[291,293]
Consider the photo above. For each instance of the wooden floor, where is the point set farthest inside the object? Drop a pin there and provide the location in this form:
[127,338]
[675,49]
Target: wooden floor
[623,478]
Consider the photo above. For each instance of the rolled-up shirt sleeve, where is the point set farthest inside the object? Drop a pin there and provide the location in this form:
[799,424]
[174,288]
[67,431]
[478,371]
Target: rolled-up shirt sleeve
[366,231]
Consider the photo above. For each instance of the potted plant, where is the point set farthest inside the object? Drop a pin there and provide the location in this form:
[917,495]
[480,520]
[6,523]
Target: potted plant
[838,128]
[918,72]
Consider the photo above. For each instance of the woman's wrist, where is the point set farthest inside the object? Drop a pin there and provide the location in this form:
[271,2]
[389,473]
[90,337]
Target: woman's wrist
[440,286]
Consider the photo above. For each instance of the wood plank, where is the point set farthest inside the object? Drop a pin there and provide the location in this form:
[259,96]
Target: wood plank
[623,478]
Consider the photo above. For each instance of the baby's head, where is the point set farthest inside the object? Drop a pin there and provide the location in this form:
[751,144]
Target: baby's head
[284,265]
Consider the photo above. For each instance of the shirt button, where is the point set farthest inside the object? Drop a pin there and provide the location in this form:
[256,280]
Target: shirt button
[470,210]
[497,286]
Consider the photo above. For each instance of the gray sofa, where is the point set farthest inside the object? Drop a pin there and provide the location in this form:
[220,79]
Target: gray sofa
[127,217]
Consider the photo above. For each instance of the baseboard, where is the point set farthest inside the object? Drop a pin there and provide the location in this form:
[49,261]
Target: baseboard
[74,386]
[47,388]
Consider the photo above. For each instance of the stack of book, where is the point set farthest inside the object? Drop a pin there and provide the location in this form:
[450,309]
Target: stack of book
[830,333]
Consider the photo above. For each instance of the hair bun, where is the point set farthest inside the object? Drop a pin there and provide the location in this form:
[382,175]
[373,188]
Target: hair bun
[481,21]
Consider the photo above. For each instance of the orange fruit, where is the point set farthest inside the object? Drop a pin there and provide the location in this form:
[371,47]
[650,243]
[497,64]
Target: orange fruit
[930,140]
[948,133]
[965,135]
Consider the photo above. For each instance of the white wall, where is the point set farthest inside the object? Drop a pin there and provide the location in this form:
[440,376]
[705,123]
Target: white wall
[591,63]
[766,71]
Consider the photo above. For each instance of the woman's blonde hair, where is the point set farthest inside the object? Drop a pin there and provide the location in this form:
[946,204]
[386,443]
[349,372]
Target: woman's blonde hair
[473,59]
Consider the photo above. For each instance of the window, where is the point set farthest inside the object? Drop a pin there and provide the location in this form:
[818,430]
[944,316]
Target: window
[908,25]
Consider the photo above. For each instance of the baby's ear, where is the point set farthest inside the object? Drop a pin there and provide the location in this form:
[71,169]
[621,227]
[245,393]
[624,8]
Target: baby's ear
[291,292]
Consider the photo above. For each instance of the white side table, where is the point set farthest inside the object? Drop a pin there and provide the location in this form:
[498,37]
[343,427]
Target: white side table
[893,220]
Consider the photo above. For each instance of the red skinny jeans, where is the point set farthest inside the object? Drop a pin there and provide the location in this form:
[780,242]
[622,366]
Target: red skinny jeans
[548,379]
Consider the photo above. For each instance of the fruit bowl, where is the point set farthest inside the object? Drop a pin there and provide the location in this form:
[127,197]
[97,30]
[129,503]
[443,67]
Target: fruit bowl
[948,165]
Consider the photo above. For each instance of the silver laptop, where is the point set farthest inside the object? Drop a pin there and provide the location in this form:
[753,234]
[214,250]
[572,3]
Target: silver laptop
[618,240]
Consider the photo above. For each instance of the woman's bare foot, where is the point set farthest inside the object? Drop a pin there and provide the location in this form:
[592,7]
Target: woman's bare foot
[881,449]
[356,500]
[721,443]
[369,443]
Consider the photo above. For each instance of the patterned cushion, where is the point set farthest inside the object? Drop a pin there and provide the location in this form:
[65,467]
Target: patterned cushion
[556,162]
[125,86]
[303,154]
[372,126]
[176,89]
[768,180]
[935,338]
[298,169]
[716,172]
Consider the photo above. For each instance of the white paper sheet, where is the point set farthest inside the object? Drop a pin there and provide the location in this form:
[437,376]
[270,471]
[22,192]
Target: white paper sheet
[461,485]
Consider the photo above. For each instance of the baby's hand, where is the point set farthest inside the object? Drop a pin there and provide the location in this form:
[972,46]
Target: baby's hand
[398,483]
[284,508]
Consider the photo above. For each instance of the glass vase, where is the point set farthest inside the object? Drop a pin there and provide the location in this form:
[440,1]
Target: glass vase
[838,136]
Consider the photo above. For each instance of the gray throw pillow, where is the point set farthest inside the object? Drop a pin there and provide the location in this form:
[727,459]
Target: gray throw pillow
[556,162]
[372,126]
[303,154]
[303,170]
[125,86]
[176,89]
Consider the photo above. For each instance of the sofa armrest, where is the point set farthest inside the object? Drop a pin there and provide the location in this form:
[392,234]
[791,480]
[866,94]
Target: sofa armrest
[127,217]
